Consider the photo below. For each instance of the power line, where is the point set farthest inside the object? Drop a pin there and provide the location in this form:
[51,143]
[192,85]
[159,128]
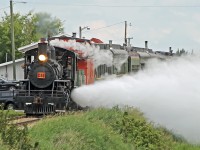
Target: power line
[130,6]
[117,6]
[13,3]
[105,26]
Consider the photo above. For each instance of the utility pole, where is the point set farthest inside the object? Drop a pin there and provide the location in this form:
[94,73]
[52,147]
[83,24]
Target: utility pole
[6,75]
[81,29]
[125,35]
[129,41]
[12,40]
[80,32]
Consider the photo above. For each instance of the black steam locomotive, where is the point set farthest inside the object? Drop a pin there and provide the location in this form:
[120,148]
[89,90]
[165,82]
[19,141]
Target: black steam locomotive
[49,75]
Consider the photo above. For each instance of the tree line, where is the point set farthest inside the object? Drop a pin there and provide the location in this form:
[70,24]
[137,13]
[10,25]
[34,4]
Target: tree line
[28,28]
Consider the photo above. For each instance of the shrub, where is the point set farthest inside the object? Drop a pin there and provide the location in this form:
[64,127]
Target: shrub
[141,133]
[133,127]
[12,136]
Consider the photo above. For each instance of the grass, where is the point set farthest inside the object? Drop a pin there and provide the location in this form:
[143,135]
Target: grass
[184,146]
[103,129]
[76,132]
[11,113]
[11,136]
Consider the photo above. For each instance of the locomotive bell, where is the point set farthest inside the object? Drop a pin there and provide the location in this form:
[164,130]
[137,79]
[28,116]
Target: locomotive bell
[42,51]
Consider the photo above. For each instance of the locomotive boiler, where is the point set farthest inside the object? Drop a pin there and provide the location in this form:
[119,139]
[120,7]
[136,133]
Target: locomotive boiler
[49,75]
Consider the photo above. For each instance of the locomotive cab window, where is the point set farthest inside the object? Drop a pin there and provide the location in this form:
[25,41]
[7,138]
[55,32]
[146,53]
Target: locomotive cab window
[69,68]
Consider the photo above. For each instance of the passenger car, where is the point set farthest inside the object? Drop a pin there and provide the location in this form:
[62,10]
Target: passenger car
[8,85]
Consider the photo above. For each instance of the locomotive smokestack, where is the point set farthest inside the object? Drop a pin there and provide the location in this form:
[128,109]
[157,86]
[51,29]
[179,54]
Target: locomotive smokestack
[110,43]
[42,52]
[42,40]
[74,34]
[42,49]
[170,50]
[146,45]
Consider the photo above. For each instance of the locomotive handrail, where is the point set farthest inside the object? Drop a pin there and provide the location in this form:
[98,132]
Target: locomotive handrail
[56,93]
[61,80]
[58,81]
[8,93]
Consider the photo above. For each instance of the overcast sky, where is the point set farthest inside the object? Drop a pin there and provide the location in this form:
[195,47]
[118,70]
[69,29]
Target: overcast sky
[171,23]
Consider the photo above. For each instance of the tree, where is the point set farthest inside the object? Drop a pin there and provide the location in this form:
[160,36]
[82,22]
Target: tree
[28,28]
[25,33]
[48,25]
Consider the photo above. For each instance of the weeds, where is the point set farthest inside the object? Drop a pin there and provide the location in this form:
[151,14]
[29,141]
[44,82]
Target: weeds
[140,133]
[12,136]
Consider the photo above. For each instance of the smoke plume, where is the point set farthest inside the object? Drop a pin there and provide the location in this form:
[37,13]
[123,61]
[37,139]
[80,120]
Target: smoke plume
[168,92]
[87,50]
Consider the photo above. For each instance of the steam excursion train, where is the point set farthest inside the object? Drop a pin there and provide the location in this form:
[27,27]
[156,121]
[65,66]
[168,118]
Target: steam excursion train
[53,68]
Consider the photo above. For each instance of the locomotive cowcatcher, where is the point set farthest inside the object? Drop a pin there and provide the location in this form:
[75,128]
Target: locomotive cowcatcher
[49,76]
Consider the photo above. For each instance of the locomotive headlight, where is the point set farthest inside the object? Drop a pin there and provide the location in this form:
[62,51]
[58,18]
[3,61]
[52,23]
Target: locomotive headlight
[42,57]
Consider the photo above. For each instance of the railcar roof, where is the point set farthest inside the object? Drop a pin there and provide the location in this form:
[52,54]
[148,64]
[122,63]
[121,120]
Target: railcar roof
[119,52]
[35,45]
[28,47]
[10,62]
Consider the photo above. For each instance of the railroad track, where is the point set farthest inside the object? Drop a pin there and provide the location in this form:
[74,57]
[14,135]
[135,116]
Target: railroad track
[28,120]
[24,120]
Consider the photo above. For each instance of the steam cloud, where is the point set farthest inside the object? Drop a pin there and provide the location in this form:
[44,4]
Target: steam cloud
[167,92]
[91,51]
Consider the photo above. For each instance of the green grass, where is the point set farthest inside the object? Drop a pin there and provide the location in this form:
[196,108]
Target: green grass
[101,129]
[76,132]
[133,127]
[11,113]
[104,129]
[2,146]
[184,146]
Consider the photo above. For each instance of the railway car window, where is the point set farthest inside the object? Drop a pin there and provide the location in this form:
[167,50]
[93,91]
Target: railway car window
[104,66]
[32,58]
[99,71]
[109,70]
[70,68]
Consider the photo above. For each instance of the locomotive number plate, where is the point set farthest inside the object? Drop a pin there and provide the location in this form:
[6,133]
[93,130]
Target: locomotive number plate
[41,75]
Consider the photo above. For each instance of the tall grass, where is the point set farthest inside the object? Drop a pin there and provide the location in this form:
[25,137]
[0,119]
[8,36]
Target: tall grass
[105,129]
[97,129]
[11,136]
[77,132]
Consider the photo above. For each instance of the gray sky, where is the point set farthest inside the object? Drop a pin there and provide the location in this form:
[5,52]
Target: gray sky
[171,23]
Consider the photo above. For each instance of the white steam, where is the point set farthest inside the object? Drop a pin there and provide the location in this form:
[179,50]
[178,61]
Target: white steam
[167,92]
[87,50]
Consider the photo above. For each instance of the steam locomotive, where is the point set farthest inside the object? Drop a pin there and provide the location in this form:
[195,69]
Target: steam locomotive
[49,75]
[52,71]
